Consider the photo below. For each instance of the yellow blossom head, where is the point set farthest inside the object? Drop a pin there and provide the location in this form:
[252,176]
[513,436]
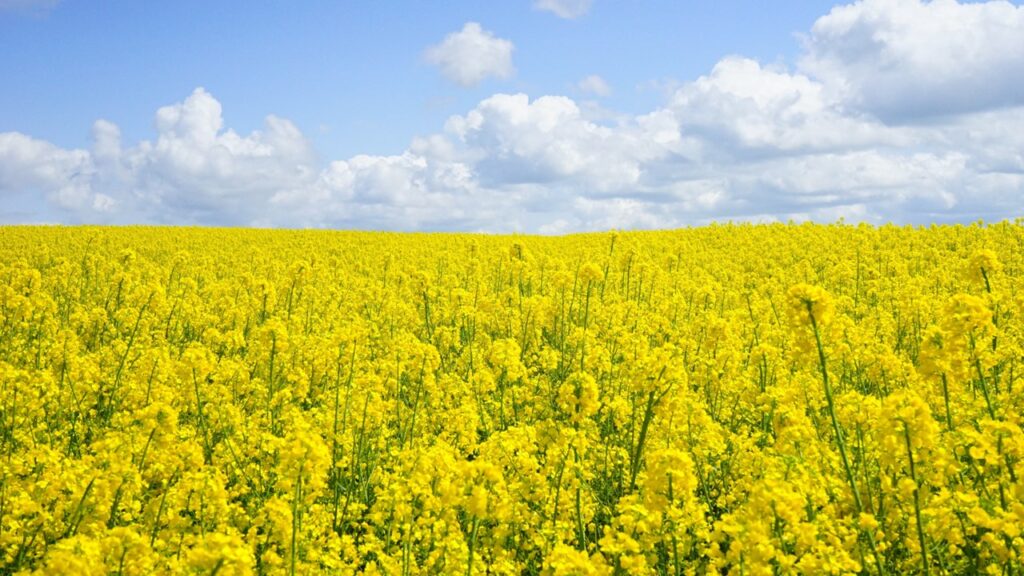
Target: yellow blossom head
[807,302]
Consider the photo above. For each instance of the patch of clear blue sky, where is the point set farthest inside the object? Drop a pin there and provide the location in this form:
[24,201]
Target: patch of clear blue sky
[351,75]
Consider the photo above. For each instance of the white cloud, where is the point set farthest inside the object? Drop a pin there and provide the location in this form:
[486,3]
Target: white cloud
[594,85]
[472,54]
[511,140]
[512,163]
[414,190]
[63,177]
[622,213]
[743,106]
[195,168]
[908,59]
[195,171]
[568,9]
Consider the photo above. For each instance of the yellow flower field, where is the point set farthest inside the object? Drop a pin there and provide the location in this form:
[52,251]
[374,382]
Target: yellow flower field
[775,399]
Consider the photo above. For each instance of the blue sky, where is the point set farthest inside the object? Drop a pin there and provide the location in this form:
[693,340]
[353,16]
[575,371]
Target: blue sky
[351,75]
[881,110]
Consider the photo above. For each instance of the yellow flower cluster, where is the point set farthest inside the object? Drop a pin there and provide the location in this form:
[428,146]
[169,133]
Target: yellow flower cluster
[782,399]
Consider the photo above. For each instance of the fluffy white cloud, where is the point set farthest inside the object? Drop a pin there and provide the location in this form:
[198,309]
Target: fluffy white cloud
[909,59]
[741,106]
[63,177]
[513,163]
[472,54]
[195,171]
[511,140]
[594,85]
[568,9]
[196,166]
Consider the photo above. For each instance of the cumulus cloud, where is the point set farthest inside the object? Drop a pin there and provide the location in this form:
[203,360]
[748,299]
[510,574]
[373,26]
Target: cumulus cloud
[194,171]
[195,166]
[594,85]
[746,142]
[909,59]
[567,9]
[407,191]
[472,54]
[741,106]
[63,177]
[512,140]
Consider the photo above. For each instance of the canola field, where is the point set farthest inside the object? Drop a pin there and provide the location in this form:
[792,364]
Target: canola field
[778,399]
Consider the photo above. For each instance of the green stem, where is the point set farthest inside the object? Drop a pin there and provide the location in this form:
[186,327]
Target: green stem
[917,500]
[945,397]
[472,546]
[840,442]
[295,519]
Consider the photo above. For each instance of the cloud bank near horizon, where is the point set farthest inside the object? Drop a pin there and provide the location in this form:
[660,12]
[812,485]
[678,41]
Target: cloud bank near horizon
[901,111]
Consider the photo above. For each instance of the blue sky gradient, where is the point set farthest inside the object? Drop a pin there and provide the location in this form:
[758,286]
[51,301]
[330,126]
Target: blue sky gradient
[351,74]
[353,79]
